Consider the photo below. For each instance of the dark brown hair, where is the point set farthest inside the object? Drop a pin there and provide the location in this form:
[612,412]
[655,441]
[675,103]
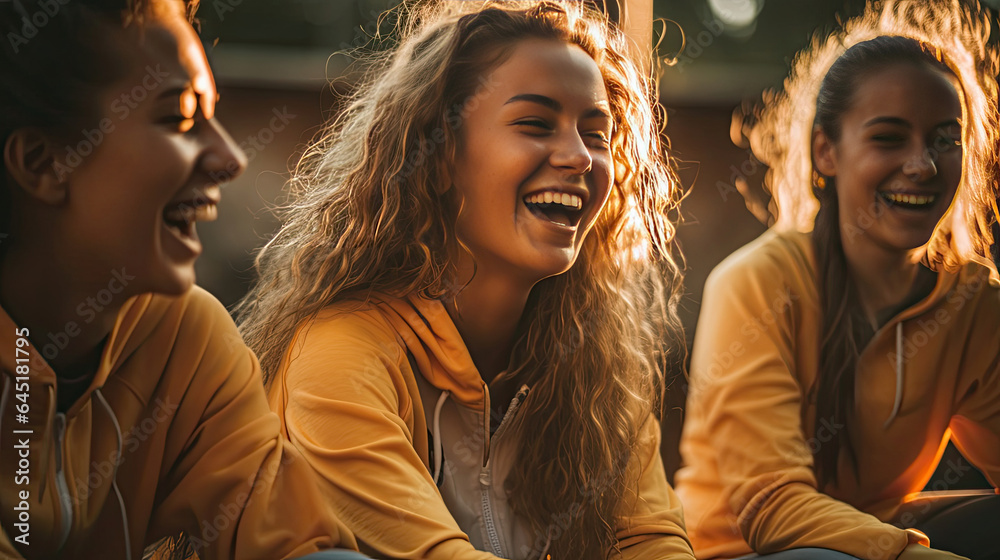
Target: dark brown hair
[845,330]
[56,59]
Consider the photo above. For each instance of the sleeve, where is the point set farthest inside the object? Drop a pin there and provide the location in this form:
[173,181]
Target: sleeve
[237,488]
[976,426]
[345,406]
[751,406]
[653,526]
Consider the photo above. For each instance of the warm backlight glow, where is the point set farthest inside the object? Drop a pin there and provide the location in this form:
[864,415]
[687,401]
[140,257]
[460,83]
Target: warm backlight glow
[780,130]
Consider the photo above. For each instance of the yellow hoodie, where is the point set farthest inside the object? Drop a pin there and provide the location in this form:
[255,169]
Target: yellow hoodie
[748,481]
[173,434]
[358,391]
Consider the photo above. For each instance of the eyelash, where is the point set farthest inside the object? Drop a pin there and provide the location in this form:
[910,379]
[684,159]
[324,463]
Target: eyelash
[946,142]
[178,122]
[600,136]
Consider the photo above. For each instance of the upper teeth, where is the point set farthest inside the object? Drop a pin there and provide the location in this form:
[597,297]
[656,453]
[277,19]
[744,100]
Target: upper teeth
[910,198]
[550,197]
[187,212]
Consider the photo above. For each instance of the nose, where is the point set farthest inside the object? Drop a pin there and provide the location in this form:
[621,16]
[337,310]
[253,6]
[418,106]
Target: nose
[222,159]
[921,167]
[571,154]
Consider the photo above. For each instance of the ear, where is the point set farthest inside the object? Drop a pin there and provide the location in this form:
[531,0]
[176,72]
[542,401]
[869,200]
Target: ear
[29,157]
[824,153]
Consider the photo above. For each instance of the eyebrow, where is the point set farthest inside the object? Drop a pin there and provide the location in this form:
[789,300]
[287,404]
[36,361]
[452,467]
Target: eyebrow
[550,103]
[903,122]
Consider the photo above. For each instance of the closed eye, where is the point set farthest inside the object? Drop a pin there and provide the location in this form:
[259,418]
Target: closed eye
[947,138]
[178,122]
[601,137]
[534,123]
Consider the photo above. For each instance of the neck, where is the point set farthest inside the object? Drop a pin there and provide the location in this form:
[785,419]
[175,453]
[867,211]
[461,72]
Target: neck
[884,277]
[60,311]
[486,312]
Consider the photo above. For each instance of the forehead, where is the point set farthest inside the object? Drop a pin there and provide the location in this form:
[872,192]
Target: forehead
[915,92]
[551,68]
[162,45]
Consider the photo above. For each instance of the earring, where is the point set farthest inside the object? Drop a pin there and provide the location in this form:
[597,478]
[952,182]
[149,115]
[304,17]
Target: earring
[819,181]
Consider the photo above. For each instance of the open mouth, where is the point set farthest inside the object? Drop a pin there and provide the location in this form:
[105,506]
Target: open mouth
[908,201]
[181,216]
[557,207]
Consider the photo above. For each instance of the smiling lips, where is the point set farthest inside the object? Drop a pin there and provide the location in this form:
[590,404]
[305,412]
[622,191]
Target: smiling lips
[202,207]
[909,201]
[556,206]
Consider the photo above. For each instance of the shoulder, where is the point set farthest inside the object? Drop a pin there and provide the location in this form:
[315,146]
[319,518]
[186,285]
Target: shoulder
[349,350]
[774,261]
[974,296]
[348,338]
[187,326]
[349,328]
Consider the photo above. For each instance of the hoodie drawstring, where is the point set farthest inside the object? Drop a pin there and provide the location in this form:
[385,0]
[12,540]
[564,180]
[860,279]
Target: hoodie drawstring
[438,445]
[114,475]
[899,375]
[46,434]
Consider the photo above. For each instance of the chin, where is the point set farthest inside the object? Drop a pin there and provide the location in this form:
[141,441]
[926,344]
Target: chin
[175,284]
[554,267]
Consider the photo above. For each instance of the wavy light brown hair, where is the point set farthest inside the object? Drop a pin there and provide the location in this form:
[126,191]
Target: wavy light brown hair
[371,211]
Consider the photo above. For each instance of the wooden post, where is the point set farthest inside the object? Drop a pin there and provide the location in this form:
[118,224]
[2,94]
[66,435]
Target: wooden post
[635,18]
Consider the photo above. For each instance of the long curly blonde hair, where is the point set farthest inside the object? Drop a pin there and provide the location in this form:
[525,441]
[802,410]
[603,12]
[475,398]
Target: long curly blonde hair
[371,210]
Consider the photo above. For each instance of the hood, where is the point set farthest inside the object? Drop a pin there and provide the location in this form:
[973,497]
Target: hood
[131,328]
[437,348]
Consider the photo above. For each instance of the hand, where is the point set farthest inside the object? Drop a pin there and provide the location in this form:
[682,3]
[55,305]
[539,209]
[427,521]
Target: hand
[921,552]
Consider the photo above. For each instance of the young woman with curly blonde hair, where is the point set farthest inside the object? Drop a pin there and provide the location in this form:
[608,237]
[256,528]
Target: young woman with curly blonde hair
[463,319]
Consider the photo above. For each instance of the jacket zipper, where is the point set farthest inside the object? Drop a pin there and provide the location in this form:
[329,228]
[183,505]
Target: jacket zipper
[62,489]
[491,527]
[486,478]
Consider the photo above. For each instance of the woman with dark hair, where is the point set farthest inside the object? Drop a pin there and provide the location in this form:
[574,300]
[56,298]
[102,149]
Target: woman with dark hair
[131,410]
[831,368]
[463,317]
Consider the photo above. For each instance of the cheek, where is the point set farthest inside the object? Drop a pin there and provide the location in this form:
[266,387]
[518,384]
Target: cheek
[603,174]
[950,166]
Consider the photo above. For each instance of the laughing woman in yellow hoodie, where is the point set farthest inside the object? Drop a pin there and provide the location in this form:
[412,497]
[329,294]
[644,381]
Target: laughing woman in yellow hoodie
[830,369]
[131,410]
[462,318]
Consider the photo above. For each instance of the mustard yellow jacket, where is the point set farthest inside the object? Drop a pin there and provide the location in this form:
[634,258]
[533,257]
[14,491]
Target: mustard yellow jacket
[748,481]
[174,434]
[360,390]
